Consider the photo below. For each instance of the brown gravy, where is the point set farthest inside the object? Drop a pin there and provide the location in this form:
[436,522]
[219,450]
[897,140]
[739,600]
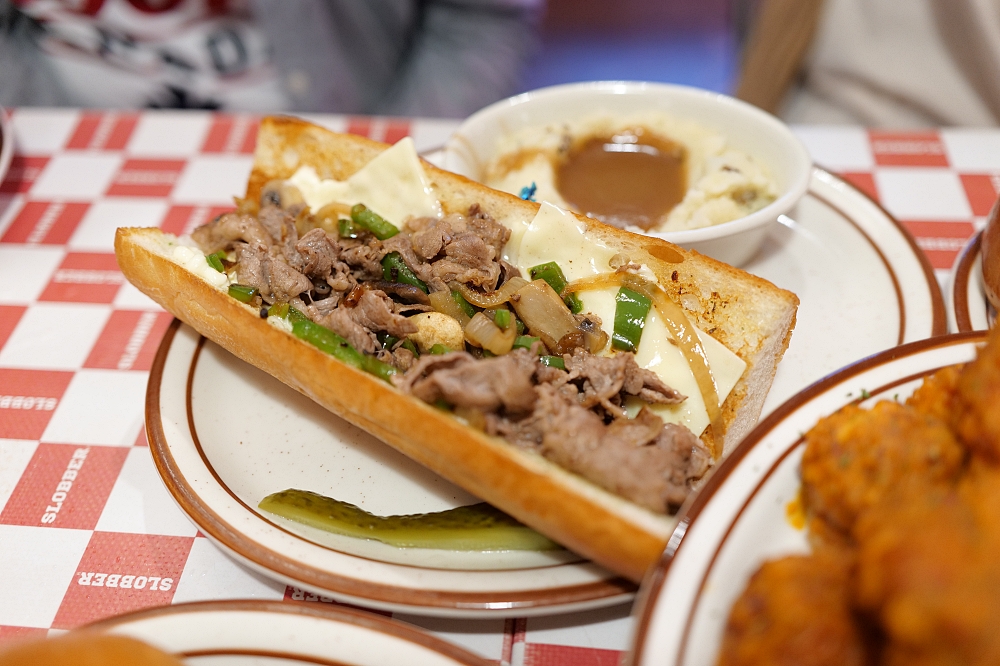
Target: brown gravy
[631,178]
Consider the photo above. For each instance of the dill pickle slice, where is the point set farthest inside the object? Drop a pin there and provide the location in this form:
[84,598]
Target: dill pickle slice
[473,527]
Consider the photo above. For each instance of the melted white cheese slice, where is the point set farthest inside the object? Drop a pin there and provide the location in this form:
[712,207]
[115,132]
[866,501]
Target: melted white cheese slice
[393,185]
[194,260]
[555,235]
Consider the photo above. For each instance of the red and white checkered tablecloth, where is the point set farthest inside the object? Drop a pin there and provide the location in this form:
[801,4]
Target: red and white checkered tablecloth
[86,528]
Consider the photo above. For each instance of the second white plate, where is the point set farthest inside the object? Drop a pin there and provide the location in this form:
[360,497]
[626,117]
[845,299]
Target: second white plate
[271,632]
[738,520]
[968,307]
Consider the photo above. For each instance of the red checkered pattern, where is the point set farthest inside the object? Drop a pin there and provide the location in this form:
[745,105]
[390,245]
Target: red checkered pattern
[23,173]
[84,534]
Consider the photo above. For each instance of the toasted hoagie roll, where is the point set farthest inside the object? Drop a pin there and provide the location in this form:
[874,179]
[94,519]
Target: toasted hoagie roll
[586,403]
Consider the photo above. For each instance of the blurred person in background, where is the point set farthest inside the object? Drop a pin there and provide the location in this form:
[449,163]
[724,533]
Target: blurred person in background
[394,57]
[879,63]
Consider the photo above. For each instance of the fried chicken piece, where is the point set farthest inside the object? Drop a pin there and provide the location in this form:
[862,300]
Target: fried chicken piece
[795,611]
[936,396]
[977,415]
[927,571]
[855,456]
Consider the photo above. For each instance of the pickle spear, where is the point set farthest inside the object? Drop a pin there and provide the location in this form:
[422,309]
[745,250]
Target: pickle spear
[474,527]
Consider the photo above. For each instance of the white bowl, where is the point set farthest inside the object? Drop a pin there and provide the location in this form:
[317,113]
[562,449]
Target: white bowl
[747,128]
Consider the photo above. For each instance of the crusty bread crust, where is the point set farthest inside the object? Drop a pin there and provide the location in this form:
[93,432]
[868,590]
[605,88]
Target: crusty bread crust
[747,314]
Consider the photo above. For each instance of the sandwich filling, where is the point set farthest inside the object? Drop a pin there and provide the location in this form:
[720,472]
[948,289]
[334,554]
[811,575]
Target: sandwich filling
[480,319]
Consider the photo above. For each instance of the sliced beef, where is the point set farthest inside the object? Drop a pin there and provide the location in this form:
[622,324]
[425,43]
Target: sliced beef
[276,280]
[487,385]
[343,324]
[468,259]
[642,460]
[226,230]
[319,309]
[602,379]
[460,249]
[364,256]
[428,235]
[341,279]
[492,232]
[372,313]
[284,282]
[319,251]
[402,358]
[273,218]
[402,244]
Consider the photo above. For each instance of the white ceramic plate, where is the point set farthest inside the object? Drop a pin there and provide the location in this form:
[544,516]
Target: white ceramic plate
[863,283]
[224,435]
[737,521]
[260,633]
[968,307]
[6,144]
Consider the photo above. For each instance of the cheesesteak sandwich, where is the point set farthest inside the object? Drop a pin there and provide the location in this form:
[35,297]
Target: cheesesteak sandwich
[578,377]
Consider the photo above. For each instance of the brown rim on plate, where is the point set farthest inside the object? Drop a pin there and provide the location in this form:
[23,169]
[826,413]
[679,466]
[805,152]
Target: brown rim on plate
[342,615]
[310,577]
[653,585]
[939,324]
[963,274]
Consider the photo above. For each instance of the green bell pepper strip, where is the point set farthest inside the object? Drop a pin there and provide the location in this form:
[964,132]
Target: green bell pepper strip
[386,340]
[215,260]
[242,292]
[286,312]
[464,304]
[438,349]
[501,317]
[551,273]
[394,269]
[574,304]
[329,342]
[279,310]
[346,228]
[524,342]
[631,309]
[389,341]
[553,361]
[294,315]
[373,222]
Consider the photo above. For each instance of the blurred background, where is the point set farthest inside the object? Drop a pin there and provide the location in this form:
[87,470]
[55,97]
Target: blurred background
[675,41]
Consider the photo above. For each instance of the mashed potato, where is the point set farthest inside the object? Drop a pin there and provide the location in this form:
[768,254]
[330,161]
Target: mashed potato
[722,183]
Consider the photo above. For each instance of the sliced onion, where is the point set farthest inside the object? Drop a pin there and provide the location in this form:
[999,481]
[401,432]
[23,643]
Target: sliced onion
[492,299]
[444,303]
[684,335]
[544,313]
[481,332]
